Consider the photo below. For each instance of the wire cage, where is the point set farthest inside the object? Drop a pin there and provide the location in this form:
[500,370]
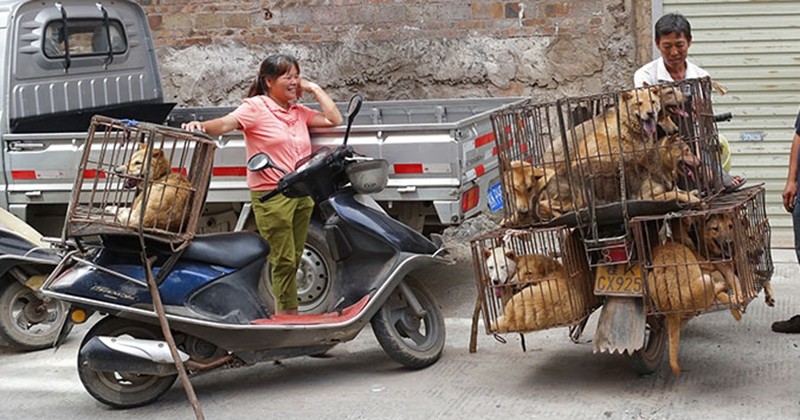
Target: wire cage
[141,178]
[704,260]
[608,157]
[532,279]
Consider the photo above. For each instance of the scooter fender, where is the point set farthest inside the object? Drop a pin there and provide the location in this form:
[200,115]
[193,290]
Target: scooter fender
[128,354]
[621,326]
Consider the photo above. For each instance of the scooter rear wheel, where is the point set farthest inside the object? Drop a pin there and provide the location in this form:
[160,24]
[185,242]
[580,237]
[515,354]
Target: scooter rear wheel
[416,342]
[121,389]
[646,360]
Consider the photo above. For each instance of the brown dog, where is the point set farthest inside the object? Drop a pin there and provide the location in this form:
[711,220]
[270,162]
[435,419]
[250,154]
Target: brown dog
[523,182]
[656,176]
[715,244]
[167,193]
[627,127]
[546,297]
[679,288]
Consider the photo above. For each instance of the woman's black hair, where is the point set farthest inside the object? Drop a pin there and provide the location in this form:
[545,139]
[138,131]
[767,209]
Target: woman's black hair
[673,23]
[271,68]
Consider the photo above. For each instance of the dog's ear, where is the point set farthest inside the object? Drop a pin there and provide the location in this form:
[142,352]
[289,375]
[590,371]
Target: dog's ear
[157,153]
[486,253]
[510,254]
[655,90]
[142,146]
[626,95]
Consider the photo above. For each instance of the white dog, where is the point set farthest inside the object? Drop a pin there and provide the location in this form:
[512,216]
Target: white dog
[501,267]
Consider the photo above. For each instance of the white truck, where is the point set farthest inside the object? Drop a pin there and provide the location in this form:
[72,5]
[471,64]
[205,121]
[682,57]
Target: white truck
[66,61]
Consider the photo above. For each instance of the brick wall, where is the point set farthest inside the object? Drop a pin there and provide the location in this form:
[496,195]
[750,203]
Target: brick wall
[391,49]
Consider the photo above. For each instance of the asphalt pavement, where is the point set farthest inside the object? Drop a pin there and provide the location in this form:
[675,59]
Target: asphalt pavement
[731,370]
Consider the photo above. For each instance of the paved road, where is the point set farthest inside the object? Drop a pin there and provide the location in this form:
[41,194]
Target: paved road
[731,371]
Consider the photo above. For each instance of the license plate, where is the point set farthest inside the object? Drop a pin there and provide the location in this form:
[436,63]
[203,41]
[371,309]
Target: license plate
[619,280]
[494,196]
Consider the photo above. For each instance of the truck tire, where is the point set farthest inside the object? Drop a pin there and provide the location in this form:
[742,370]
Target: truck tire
[412,341]
[27,322]
[316,276]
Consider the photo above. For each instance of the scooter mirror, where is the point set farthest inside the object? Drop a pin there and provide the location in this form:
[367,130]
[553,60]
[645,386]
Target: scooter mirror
[352,110]
[258,162]
[261,161]
[354,107]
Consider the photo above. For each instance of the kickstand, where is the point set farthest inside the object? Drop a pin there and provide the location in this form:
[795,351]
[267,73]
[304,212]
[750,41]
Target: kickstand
[575,331]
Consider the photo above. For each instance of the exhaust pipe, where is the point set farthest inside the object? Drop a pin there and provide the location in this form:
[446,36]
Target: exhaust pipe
[126,354]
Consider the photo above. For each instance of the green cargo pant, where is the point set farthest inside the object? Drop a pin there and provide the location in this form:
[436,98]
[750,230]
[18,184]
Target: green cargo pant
[283,222]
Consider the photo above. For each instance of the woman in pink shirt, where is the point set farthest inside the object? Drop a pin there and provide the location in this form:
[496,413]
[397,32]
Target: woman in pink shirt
[272,122]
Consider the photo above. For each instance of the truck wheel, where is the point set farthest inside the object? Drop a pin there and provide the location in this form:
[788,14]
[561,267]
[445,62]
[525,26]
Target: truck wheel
[415,342]
[28,322]
[647,359]
[120,389]
[316,275]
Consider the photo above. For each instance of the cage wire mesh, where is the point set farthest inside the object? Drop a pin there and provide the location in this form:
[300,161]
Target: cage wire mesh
[532,279]
[139,177]
[685,255]
[608,157]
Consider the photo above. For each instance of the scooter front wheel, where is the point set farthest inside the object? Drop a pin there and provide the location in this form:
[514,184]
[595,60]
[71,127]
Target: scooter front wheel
[415,340]
[122,389]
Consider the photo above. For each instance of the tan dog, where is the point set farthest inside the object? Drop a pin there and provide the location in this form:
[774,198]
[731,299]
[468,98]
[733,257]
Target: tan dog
[679,288]
[715,243]
[672,103]
[656,176]
[523,182]
[544,299]
[628,127]
[167,193]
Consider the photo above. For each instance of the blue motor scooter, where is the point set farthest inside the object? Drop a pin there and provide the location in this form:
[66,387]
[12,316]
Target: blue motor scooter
[211,298]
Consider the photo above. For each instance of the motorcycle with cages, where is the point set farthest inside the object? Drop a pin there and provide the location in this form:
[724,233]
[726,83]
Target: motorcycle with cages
[211,292]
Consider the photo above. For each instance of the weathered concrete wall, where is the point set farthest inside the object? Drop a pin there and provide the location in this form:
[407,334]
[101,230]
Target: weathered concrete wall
[209,51]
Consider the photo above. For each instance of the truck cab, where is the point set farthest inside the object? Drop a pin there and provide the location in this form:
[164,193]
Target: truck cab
[63,63]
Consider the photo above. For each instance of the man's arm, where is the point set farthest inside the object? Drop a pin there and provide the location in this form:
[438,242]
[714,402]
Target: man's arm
[790,190]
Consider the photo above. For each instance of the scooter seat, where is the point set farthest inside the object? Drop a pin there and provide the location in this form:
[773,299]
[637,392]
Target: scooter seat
[229,249]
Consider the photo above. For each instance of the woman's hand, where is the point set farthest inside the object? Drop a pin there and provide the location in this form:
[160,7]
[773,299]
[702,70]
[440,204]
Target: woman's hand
[194,126]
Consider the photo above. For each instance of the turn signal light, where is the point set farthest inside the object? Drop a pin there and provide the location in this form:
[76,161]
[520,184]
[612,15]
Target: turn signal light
[470,199]
[78,316]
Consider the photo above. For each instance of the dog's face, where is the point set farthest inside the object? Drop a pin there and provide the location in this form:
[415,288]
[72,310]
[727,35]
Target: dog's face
[672,100]
[136,165]
[676,151]
[718,235]
[643,105]
[524,182]
[500,265]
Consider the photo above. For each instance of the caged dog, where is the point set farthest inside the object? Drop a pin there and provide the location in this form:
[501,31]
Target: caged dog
[679,287]
[536,290]
[523,182]
[167,192]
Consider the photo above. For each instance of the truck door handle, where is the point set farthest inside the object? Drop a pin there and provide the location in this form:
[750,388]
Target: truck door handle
[408,189]
[19,146]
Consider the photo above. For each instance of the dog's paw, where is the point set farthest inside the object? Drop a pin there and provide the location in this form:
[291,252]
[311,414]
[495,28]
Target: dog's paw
[111,210]
[769,300]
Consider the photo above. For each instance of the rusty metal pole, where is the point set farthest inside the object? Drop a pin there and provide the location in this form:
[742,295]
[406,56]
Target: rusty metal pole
[173,349]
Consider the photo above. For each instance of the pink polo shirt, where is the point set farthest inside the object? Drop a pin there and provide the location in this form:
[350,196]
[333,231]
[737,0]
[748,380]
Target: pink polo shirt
[282,134]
